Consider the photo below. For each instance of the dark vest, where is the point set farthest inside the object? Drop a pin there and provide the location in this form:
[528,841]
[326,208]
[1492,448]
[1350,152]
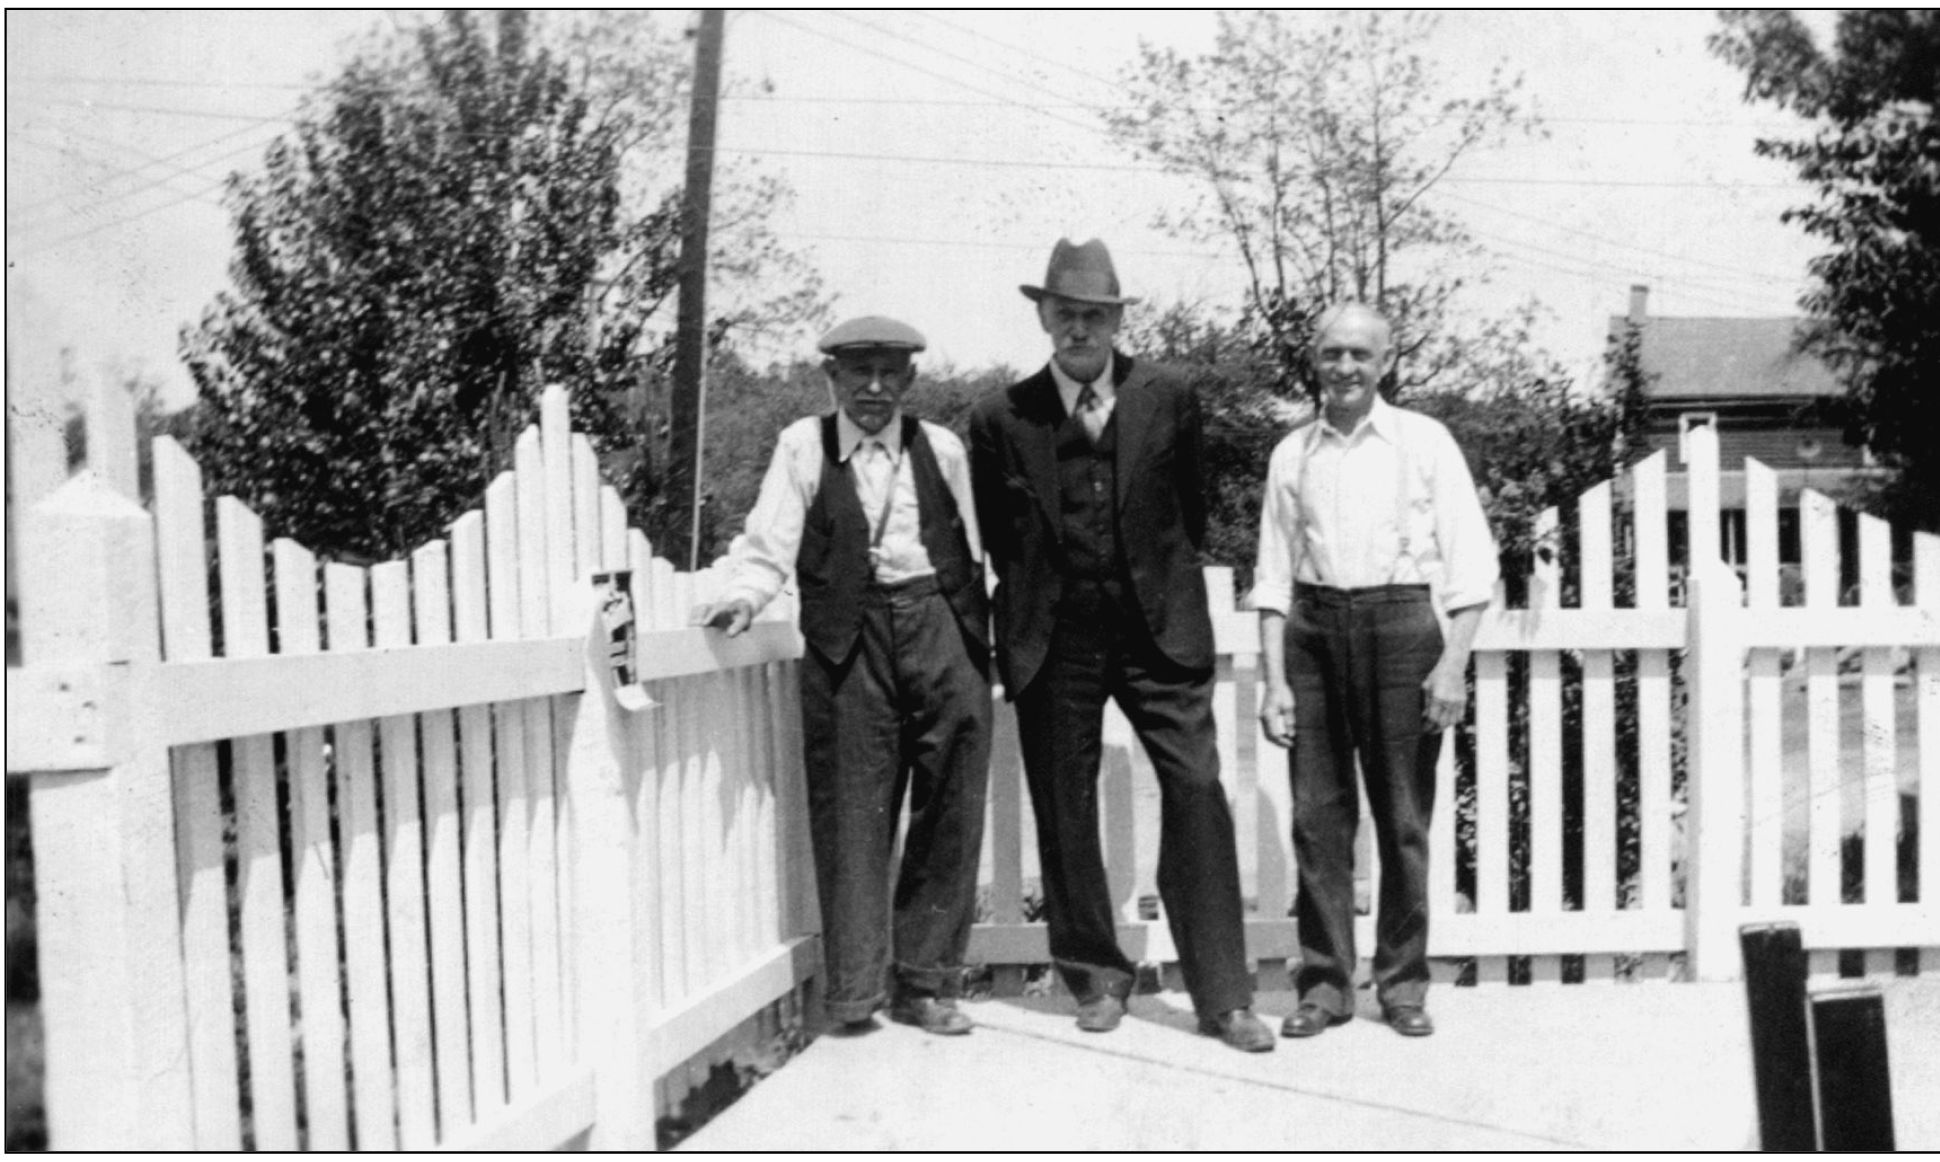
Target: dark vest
[833,566]
[1087,504]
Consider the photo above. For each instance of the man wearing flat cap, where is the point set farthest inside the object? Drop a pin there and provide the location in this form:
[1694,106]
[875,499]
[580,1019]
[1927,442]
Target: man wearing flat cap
[1090,498]
[870,510]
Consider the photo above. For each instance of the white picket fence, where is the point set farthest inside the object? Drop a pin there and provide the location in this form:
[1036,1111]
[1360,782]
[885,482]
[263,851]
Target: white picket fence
[1783,760]
[511,907]
[480,905]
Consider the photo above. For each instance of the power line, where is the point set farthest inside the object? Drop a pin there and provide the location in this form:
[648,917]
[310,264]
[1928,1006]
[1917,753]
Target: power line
[98,228]
[1020,50]
[158,111]
[846,155]
[1749,275]
[1003,76]
[150,82]
[776,98]
[918,68]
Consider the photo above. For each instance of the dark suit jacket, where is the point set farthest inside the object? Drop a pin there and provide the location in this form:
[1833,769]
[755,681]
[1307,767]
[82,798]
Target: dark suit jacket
[1161,512]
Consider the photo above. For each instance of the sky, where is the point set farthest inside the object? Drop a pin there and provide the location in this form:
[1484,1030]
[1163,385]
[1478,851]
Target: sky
[934,158]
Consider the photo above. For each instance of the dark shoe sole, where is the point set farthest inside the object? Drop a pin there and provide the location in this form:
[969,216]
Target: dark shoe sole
[957,1028]
[1425,1028]
[1297,1032]
[1262,1046]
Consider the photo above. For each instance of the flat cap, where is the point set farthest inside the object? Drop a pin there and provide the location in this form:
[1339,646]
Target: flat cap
[873,331]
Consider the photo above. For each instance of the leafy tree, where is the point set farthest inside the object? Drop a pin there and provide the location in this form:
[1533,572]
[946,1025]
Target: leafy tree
[1874,156]
[1318,144]
[464,215]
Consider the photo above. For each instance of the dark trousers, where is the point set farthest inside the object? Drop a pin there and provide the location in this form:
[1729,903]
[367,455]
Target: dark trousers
[909,709]
[1356,660]
[1100,650]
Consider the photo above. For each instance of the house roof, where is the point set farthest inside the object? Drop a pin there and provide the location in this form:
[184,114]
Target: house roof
[1692,358]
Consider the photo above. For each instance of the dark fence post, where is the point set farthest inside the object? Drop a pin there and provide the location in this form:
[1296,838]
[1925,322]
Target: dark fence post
[1781,1051]
[1855,1085]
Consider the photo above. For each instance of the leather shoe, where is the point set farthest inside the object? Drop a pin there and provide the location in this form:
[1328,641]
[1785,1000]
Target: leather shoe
[1101,1014]
[1311,1021]
[1410,1021]
[1240,1029]
[938,1015]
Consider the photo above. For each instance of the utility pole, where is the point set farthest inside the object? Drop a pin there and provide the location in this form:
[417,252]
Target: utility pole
[690,337]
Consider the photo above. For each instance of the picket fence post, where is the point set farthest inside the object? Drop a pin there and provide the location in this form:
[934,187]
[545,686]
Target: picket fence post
[1715,790]
[112,984]
[602,792]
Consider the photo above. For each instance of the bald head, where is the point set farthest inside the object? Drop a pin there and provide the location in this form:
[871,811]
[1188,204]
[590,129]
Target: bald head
[1353,312]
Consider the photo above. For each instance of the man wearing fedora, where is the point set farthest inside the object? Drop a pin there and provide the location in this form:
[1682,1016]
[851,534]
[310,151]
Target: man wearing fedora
[1090,499]
[870,510]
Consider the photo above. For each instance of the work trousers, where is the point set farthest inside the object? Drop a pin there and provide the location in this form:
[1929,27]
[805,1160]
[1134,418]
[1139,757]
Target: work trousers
[1356,659]
[909,709]
[1100,649]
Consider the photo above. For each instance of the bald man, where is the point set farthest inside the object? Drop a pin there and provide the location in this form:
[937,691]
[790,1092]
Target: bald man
[1370,524]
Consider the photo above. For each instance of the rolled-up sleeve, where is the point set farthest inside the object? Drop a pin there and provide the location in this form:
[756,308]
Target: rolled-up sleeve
[763,559]
[1470,565]
[1279,532]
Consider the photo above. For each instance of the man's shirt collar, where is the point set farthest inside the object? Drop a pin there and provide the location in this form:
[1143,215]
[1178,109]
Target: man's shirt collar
[1379,421]
[849,435]
[1068,388]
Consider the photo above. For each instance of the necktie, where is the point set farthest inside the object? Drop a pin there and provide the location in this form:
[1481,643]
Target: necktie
[1089,413]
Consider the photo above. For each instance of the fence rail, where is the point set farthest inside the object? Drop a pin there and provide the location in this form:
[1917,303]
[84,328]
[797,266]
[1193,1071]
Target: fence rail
[381,858]
[1565,840]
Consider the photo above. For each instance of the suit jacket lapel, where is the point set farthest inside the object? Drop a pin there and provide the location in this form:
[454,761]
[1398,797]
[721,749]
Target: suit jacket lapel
[1133,413]
[1040,413]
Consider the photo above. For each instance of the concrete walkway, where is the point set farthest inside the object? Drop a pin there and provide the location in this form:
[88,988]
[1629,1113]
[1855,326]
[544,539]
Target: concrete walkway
[1606,1067]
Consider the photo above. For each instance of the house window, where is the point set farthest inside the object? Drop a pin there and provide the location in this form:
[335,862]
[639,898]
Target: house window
[1685,422]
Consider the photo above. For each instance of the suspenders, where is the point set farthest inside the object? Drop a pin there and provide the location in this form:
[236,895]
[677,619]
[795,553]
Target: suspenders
[1404,547]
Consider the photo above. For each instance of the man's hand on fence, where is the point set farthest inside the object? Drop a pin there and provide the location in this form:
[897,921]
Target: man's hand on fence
[1276,713]
[734,616]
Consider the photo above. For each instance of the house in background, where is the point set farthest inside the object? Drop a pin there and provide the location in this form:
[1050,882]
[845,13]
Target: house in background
[1766,400]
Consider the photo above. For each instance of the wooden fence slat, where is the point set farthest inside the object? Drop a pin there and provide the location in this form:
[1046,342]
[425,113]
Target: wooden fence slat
[314,866]
[508,571]
[1492,789]
[1597,561]
[485,1012]
[1545,771]
[1653,690]
[259,857]
[1879,772]
[183,578]
[1878,762]
[589,523]
[643,730]
[404,894]
[1764,696]
[555,484]
[1926,583]
[1441,839]
[374,1110]
[1819,551]
[714,734]
[445,901]
[545,555]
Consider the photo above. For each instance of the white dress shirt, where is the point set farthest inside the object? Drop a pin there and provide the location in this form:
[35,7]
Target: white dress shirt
[1069,389]
[763,560]
[1389,503]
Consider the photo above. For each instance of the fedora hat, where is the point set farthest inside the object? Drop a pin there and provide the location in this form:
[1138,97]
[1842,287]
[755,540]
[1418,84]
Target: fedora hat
[1081,273]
